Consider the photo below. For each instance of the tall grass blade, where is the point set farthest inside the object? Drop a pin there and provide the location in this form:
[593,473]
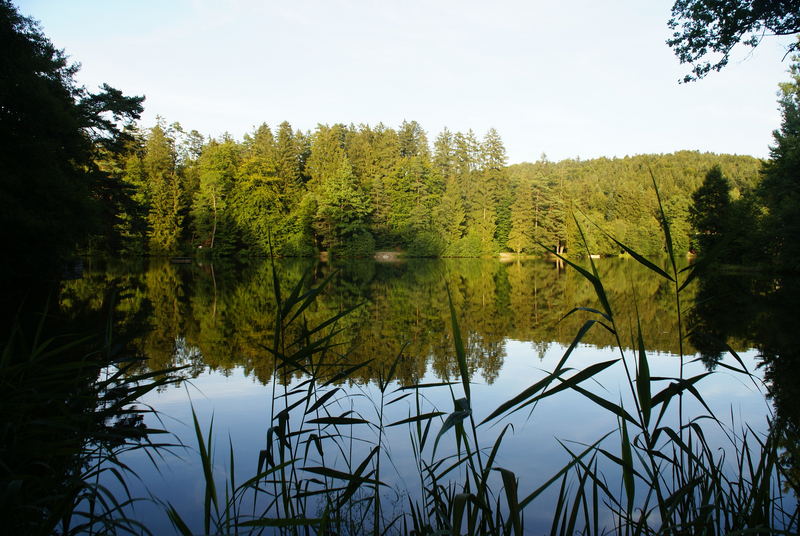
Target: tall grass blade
[575,460]
[627,465]
[206,459]
[664,224]
[644,261]
[545,382]
[416,418]
[459,505]
[643,375]
[461,355]
[281,523]
[510,487]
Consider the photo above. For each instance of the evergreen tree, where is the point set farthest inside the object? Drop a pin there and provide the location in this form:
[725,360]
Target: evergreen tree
[218,166]
[52,133]
[450,217]
[164,218]
[287,160]
[708,213]
[523,220]
[466,155]
[342,211]
[444,155]
[780,188]
[495,180]
[133,225]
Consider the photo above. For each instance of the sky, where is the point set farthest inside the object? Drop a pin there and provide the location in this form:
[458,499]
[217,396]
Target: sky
[576,78]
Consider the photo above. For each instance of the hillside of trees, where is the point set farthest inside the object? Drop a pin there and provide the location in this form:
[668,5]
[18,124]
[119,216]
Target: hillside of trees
[351,190]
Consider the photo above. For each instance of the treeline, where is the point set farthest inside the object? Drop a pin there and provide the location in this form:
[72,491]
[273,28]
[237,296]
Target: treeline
[615,196]
[343,189]
[350,190]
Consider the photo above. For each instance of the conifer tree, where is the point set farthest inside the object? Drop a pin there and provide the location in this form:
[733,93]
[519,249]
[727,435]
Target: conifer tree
[523,216]
[342,211]
[780,189]
[218,166]
[133,226]
[494,160]
[449,216]
[165,220]
[444,156]
[708,213]
[287,162]
[466,155]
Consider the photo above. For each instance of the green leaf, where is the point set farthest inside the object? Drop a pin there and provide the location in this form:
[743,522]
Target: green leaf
[643,376]
[459,504]
[461,355]
[346,373]
[675,388]
[664,224]
[271,522]
[642,260]
[627,466]
[177,521]
[451,420]
[538,491]
[341,475]
[338,421]
[510,487]
[321,400]
[417,418]
[617,410]
[543,383]
[357,479]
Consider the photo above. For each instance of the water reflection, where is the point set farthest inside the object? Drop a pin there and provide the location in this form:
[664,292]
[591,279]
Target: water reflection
[220,315]
[759,310]
[210,315]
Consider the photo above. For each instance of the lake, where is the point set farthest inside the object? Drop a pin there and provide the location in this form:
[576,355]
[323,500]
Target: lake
[393,331]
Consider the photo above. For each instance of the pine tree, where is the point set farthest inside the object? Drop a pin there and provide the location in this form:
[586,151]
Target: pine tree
[342,211]
[218,166]
[164,218]
[523,220]
[495,178]
[466,156]
[133,226]
[444,155]
[708,213]
[780,189]
[287,162]
[449,217]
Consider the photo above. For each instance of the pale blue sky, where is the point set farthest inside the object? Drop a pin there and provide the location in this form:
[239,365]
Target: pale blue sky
[571,78]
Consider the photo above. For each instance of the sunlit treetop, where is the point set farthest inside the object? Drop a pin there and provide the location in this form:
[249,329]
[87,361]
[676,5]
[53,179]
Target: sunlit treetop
[706,29]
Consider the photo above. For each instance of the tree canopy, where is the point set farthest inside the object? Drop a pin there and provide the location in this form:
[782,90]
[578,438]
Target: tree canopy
[53,133]
[712,28]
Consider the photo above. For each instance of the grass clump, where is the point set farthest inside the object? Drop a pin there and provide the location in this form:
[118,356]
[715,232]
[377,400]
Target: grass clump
[68,412]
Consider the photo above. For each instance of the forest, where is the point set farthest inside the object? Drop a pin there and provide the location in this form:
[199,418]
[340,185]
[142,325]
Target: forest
[110,186]
[126,273]
[352,190]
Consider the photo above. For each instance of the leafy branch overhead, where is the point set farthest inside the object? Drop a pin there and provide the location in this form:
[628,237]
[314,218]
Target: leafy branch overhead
[706,31]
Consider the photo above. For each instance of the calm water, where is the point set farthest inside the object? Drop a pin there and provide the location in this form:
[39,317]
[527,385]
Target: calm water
[217,319]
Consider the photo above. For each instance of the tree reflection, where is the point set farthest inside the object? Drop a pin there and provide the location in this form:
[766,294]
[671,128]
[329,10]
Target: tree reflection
[222,316]
[733,309]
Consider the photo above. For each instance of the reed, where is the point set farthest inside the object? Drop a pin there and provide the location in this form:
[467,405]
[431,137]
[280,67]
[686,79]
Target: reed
[654,473]
[69,413]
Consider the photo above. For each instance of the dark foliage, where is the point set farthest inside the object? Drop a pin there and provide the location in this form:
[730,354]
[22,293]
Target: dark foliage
[51,131]
[715,27]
